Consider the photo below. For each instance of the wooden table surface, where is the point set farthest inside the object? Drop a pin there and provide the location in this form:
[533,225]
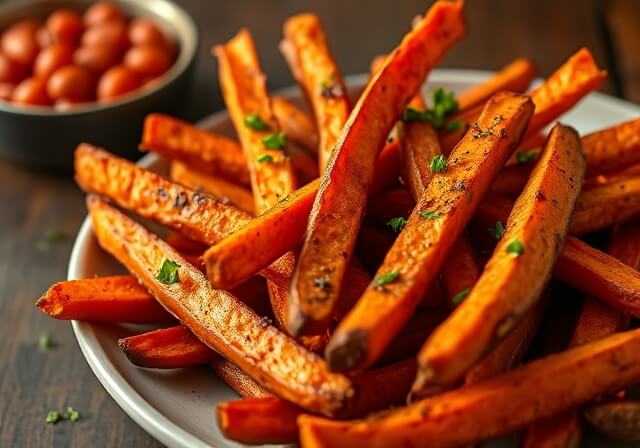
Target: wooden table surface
[33,381]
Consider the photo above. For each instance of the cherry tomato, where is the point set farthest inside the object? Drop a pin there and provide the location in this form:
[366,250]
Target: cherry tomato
[43,37]
[71,83]
[97,59]
[65,26]
[6,90]
[19,42]
[11,71]
[51,59]
[117,81]
[147,60]
[113,34]
[145,32]
[103,12]
[31,91]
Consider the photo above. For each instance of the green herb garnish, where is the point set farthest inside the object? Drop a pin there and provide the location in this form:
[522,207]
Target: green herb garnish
[265,158]
[410,115]
[497,231]
[389,277]
[430,214]
[168,273]
[253,121]
[53,417]
[275,141]
[438,164]
[444,103]
[72,414]
[454,126]
[397,224]
[526,156]
[321,282]
[46,342]
[515,248]
[458,298]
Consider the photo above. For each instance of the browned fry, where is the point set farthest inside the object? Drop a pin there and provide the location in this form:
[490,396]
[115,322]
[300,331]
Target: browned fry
[514,77]
[298,126]
[340,203]
[492,407]
[223,190]
[435,224]
[517,272]
[306,50]
[237,379]
[218,319]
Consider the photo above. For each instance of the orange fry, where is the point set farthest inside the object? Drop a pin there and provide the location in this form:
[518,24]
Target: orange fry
[297,125]
[339,205]
[435,224]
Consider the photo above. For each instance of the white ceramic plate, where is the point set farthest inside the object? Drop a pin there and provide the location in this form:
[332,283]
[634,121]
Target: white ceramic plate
[177,406]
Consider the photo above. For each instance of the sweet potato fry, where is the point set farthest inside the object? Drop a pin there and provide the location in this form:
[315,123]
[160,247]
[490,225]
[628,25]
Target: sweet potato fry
[539,389]
[259,421]
[603,206]
[107,299]
[306,50]
[512,180]
[221,189]
[619,419]
[273,420]
[514,77]
[297,125]
[562,431]
[581,266]
[419,146]
[183,244]
[436,223]
[193,214]
[244,90]
[508,353]
[178,140]
[217,318]
[168,348]
[341,199]
[517,272]
[263,240]
[390,204]
[612,149]
[237,379]
[596,320]
[571,82]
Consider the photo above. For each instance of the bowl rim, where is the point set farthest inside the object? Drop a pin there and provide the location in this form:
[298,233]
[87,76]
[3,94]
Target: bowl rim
[188,40]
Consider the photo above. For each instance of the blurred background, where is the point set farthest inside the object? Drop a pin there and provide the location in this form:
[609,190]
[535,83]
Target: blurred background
[40,213]
[546,31]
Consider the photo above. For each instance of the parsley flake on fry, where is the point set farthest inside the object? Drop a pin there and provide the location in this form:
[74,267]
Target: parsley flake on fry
[497,231]
[253,121]
[387,278]
[168,273]
[438,164]
[275,141]
[515,248]
[397,223]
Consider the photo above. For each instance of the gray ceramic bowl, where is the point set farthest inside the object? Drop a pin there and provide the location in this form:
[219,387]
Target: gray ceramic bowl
[45,138]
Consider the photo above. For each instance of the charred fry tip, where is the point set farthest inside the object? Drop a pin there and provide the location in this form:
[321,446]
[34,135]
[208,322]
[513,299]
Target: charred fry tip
[296,321]
[346,350]
[132,354]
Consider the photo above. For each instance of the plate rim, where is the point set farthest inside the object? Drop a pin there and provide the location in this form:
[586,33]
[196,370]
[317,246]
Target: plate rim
[130,401]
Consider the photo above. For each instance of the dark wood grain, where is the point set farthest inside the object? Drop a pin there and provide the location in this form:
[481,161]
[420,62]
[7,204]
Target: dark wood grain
[32,381]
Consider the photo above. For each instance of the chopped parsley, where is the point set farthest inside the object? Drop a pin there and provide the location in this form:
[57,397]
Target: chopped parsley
[430,214]
[168,273]
[72,414]
[459,298]
[438,164]
[46,342]
[321,282]
[53,417]
[389,277]
[265,158]
[253,121]
[444,104]
[523,157]
[515,248]
[410,115]
[397,224]
[454,126]
[497,231]
[55,235]
[275,141]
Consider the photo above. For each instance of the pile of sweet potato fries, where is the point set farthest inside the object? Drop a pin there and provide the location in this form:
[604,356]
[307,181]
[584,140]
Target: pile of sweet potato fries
[331,267]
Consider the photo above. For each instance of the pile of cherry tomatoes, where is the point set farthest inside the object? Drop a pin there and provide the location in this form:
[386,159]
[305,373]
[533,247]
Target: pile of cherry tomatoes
[75,58]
